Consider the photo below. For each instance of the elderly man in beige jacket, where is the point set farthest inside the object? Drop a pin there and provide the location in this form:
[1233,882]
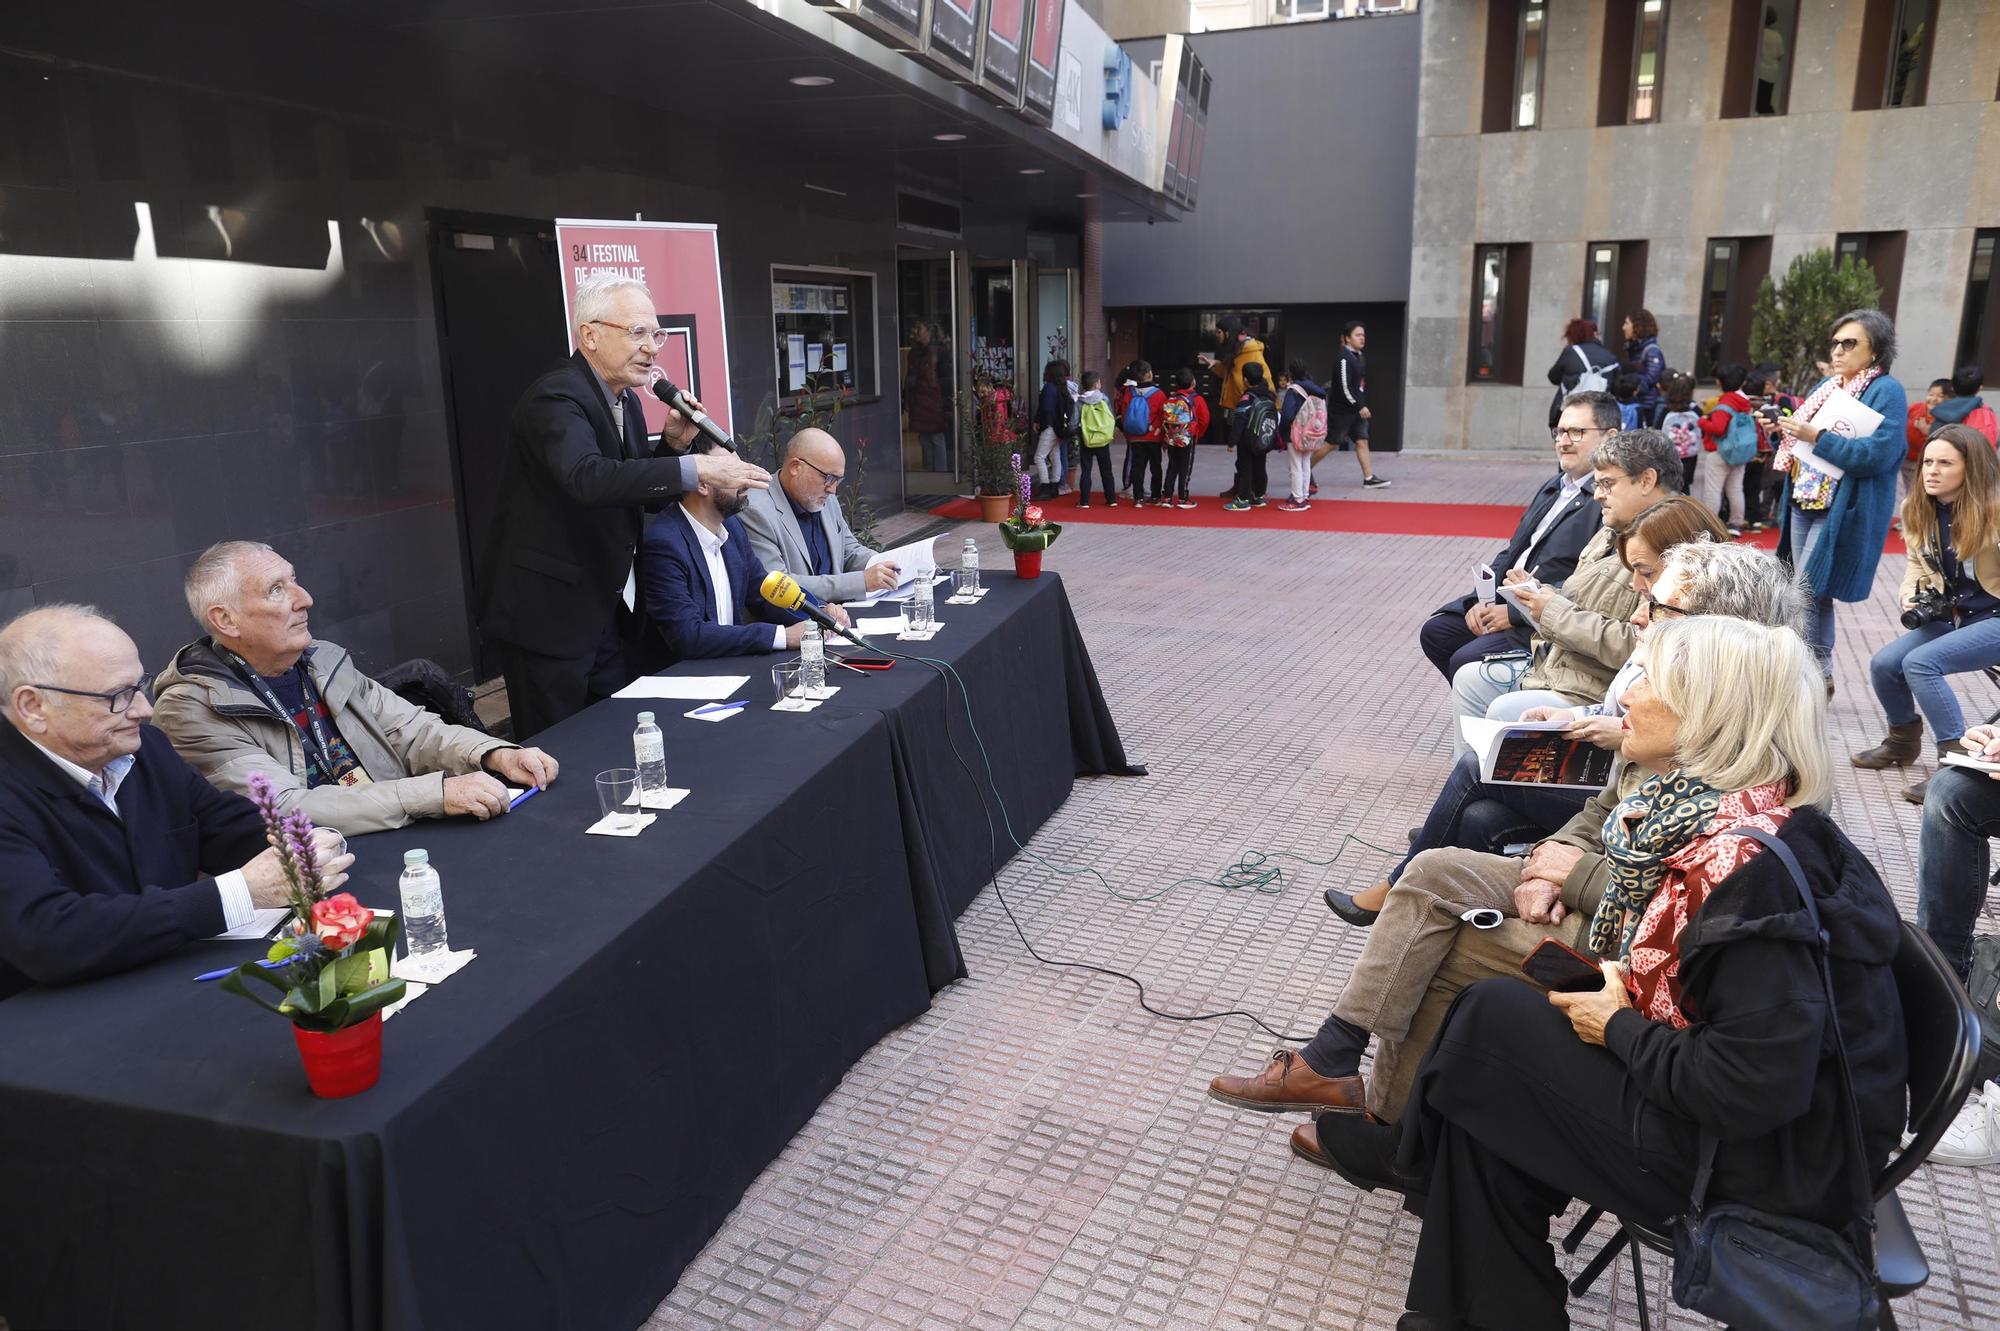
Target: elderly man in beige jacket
[259,694]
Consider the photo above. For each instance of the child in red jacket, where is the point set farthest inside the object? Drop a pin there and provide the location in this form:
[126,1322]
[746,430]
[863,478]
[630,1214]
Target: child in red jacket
[1139,403]
[1718,476]
[1183,421]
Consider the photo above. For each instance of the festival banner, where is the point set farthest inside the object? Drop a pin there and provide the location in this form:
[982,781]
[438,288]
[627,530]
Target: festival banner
[681,264]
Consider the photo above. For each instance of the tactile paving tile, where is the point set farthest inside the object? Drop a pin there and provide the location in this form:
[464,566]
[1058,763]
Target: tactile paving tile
[1037,1153]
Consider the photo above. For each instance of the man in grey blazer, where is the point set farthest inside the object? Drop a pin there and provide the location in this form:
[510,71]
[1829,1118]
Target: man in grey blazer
[797,526]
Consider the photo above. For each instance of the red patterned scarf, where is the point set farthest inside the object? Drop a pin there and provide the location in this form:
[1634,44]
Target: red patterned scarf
[1691,874]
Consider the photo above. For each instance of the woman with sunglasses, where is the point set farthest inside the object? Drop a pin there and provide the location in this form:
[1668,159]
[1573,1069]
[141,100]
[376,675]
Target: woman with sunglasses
[1836,517]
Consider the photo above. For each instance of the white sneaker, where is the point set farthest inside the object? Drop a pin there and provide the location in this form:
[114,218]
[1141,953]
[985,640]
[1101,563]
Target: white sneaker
[1974,1136]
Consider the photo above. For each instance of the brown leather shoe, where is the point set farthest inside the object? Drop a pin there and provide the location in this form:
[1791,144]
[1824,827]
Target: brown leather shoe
[1288,1084]
[1900,749]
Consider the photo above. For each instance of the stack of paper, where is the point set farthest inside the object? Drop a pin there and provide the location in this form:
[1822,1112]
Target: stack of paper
[690,688]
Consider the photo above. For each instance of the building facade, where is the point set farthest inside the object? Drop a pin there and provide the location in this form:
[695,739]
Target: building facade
[1577,157]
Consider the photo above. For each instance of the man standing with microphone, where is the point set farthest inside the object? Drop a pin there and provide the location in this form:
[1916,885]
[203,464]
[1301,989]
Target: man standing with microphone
[578,479]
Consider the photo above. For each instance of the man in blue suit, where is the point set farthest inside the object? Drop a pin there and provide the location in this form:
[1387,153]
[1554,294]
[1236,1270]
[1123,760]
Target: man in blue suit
[699,581]
[105,833]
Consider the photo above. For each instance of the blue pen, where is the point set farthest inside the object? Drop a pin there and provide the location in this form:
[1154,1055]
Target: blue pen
[523,798]
[230,970]
[713,708]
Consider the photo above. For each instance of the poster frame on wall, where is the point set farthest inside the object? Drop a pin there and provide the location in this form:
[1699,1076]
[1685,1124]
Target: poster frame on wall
[954,40]
[1003,56]
[885,21]
[1038,82]
[678,310]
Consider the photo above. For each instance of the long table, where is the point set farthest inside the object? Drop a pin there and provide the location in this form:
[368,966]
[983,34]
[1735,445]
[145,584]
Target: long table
[562,1125]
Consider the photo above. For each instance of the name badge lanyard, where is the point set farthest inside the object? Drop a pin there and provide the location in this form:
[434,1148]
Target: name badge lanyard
[313,736]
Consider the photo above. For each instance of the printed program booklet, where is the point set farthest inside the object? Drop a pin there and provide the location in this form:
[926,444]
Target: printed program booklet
[1535,753]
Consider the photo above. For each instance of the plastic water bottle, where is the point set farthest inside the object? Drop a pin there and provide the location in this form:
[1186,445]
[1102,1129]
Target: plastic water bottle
[812,662]
[422,904]
[968,563]
[649,756]
[923,610]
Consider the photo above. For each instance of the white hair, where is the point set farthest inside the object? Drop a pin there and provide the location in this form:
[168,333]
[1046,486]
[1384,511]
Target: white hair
[215,579]
[32,643]
[594,295]
[1751,704]
[1737,580]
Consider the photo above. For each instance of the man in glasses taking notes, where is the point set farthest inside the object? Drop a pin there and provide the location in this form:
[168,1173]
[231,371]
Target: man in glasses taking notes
[106,835]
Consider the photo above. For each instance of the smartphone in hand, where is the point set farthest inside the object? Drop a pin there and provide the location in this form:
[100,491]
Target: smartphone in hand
[1556,966]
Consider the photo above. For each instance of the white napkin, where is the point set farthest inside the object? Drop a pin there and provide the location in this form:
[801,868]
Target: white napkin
[603,827]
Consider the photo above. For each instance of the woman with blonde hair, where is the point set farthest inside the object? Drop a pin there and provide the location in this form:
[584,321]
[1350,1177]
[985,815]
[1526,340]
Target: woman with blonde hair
[1951,600]
[1711,1030]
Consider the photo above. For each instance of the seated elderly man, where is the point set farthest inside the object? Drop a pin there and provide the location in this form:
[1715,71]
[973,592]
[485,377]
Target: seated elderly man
[1457,915]
[260,694]
[797,525]
[699,582]
[106,835]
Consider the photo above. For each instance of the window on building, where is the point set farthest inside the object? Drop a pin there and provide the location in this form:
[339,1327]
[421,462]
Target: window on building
[1499,314]
[1894,65]
[1516,33]
[1289,11]
[1882,251]
[1979,325]
[1635,41]
[1614,283]
[1757,74]
[1736,266]
[823,325]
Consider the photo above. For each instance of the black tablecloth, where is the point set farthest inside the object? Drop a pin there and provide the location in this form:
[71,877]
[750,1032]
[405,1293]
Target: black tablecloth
[558,1128]
[561,1126]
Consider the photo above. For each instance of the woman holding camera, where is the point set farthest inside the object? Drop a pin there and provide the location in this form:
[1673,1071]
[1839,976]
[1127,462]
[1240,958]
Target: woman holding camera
[1951,599]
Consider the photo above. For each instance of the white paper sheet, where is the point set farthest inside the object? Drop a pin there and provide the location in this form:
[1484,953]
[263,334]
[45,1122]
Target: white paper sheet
[873,624]
[261,924]
[689,688]
[912,561]
[1843,413]
[1803,452]
[603,827]
[660,799]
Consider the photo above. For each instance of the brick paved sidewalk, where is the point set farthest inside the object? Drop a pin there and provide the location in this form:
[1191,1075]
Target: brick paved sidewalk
[1038,1153]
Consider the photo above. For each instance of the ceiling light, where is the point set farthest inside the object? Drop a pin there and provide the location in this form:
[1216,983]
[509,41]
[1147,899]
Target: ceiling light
[949,138]
[1031,170]
[1086,195]
[824,189]
[810,81]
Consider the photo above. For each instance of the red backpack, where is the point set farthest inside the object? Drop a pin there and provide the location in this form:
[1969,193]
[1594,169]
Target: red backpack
[1177,421]
[1982,419]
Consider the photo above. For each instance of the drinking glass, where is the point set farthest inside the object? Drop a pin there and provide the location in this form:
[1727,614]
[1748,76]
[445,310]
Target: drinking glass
[785,683]
[613,789]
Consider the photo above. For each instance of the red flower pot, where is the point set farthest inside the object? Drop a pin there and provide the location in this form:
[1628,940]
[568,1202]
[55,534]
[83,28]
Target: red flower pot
[1027,563]
[343,1062]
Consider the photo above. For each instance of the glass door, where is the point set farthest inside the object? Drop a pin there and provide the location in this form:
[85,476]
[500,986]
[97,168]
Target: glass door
[928,358]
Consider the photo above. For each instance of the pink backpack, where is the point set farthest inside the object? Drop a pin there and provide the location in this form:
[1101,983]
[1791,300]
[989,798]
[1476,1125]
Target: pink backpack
[1309,424]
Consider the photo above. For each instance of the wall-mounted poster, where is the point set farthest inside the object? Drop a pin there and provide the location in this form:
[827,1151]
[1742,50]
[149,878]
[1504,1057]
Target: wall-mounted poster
[954,45]
[681,264]
[901,23]
[1038,84]
[1006,36]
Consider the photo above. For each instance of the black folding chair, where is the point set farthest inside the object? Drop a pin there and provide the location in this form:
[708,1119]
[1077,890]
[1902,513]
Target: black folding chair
[1943,1035]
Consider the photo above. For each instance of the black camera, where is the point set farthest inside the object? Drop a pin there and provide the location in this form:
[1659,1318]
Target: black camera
[1931,606]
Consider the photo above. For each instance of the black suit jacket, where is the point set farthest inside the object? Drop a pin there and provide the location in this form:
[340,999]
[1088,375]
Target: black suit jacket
[1555,558]
[680,600]
[573,501]
[86,892]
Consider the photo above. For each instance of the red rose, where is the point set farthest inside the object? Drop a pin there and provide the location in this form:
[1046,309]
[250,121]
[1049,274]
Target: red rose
[1032,515]
[340,921]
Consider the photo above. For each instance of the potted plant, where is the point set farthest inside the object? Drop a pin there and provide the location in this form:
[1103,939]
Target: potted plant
[1027,533]
[995,435]
[329,965]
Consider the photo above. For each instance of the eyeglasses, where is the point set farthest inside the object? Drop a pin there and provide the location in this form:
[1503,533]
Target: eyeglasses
[1575,434]
[1658,609]
[639,332]
[826,479]
[1841,344]
[118,699]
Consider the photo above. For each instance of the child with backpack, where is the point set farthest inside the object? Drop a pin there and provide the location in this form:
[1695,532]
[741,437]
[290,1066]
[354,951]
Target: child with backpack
[1302,430]
[1140,403]
[1625,390]
[1732,432]
[1052,422]
[1097,425]
[1253,431]
[1183,421]
[1682,424]
[1965,406]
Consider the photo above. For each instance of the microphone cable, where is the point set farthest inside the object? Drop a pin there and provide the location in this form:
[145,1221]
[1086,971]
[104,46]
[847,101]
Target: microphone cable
[1252,870]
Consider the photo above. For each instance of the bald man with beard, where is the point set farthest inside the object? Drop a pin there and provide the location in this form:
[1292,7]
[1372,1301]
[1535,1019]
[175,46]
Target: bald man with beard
[797,525]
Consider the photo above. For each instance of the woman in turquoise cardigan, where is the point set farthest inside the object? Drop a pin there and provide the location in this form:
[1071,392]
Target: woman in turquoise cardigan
[1834,528]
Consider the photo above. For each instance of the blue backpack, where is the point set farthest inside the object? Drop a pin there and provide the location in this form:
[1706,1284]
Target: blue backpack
[1139,411]
[1738,444]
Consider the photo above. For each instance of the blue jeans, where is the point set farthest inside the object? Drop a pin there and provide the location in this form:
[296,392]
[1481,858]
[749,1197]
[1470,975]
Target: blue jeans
[1954,859]
[1909,673]
[1806,526]
[1472,814]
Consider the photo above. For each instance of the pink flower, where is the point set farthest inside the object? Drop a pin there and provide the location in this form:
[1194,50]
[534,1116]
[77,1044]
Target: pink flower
[340,921]
[1032,515]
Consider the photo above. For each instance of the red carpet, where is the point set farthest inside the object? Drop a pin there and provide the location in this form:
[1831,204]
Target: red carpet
[1487,522]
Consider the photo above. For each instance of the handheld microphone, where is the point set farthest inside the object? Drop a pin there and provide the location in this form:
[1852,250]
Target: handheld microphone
[663,389]
[782,590]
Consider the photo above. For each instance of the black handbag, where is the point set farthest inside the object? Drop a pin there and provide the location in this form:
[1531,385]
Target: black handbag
[1755,1271]
[1983,987]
